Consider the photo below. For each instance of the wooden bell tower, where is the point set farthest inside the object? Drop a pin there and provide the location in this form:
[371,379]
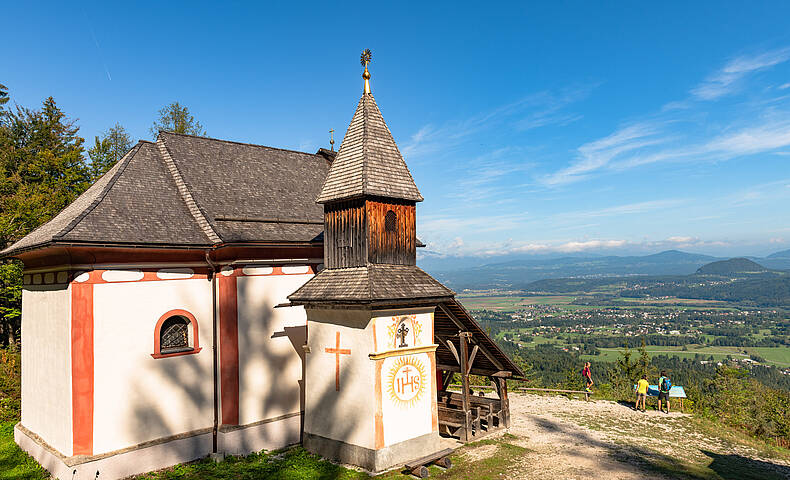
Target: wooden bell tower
[370,367]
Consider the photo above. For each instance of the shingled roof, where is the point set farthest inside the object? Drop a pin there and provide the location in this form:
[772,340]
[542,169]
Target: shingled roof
[368,161]
[370,284]
[187,191]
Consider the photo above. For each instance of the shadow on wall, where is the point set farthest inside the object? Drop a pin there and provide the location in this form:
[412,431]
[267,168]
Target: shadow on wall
[728,467]
[190,378]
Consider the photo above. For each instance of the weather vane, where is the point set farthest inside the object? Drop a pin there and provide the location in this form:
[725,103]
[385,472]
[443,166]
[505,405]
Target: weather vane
[364,59]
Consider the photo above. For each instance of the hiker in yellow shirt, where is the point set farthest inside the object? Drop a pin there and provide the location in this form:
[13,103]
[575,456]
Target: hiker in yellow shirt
[641,392]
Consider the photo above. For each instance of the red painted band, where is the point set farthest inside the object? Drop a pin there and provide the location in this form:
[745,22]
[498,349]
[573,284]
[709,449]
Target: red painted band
[82,368]
[229,348]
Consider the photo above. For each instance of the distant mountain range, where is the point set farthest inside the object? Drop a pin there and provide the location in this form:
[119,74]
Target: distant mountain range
[515,273]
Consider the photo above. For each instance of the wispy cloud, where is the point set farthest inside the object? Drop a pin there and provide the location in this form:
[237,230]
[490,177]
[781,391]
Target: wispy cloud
[459,248]
[683,131]
[728,79]
[598,154]
[533,111]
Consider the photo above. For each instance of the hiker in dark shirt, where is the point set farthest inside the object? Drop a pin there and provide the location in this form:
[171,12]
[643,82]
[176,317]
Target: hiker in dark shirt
[664,385]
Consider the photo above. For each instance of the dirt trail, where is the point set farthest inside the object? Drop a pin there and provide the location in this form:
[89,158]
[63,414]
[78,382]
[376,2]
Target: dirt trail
[574,439]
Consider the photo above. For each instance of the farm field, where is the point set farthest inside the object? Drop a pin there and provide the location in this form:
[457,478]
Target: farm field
[512,303]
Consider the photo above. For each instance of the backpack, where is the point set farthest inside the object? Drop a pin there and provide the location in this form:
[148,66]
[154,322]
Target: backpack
[666,384]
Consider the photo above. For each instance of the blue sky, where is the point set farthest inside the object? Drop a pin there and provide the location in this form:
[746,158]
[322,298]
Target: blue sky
[566,127]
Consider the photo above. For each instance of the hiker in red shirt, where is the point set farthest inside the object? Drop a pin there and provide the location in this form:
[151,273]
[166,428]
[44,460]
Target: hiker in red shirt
[587,375]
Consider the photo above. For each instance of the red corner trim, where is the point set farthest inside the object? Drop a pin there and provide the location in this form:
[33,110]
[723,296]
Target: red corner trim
[82,368]
[196,339]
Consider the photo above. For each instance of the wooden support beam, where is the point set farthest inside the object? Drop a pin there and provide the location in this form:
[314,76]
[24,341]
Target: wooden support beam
[505,401]
[453,350]
[446,379]
[462,329]
[475,371]
[465,384]
[471,359]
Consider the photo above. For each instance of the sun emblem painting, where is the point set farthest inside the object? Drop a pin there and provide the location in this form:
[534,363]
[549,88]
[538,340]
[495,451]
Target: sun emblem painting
[407,382]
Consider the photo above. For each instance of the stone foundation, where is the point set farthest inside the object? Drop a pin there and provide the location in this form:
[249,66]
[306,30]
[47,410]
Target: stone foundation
[269,434]
[372,460]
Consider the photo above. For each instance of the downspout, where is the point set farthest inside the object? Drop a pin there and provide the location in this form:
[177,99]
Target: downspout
[212,276]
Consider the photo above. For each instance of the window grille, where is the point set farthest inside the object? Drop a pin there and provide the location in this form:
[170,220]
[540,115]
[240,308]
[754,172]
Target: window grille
[174,334]
[390,221]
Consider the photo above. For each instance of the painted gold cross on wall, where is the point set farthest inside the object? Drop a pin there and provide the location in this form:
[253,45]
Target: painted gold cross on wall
[337,351]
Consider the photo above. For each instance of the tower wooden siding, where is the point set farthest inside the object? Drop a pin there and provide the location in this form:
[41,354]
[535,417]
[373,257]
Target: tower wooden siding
[355,233]
[397,246]
[345,242]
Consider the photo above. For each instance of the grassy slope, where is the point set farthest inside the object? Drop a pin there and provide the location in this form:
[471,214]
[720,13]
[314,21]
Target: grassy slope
[14,463]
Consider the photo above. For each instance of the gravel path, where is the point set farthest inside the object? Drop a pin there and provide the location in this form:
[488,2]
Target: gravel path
[574,439]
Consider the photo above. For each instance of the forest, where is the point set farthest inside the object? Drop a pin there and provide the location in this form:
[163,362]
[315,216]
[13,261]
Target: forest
[44,165]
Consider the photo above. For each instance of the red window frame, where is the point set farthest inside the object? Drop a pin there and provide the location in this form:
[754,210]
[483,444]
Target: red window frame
[158,330]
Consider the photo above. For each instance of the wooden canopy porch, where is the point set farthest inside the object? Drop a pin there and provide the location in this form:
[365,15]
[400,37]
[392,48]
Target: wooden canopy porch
[465,348]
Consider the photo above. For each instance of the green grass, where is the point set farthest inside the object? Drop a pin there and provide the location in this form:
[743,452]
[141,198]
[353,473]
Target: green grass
[292,464]
[14,463]
[493,466]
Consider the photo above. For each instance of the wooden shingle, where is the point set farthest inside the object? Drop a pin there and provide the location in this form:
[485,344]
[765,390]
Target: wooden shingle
[368,162]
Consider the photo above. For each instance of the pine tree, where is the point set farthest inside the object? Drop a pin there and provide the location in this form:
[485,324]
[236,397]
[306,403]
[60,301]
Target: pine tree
[176,118]
[3,95]
[107,150]
[42,170]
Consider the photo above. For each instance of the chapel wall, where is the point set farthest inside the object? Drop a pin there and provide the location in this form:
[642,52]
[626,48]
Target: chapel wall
[46,364]
[343,411]
[270,343]
[139,398]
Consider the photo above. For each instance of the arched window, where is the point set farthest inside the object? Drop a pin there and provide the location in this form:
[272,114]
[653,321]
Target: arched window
[390,222]
[176,333]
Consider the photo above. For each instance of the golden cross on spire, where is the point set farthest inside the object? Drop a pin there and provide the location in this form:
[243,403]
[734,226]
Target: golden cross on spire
[364,59]
[332,139]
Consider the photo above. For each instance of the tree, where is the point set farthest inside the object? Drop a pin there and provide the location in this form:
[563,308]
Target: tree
[176,118]
[106,152]
[3,95]
[42,170]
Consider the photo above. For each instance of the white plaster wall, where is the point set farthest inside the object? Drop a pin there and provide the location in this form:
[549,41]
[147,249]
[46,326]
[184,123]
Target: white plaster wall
[138,398]
[46,364]
[347,415]
[406,420]
[270,347]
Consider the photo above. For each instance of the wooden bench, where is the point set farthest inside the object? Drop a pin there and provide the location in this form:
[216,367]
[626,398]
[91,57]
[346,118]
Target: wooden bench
[455,420]
[485,409]
[418,467]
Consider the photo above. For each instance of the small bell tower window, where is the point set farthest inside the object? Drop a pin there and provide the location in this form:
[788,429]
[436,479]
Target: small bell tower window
[390,222]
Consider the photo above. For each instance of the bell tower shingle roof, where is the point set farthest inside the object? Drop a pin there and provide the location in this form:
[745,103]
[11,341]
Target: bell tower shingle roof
[368,162]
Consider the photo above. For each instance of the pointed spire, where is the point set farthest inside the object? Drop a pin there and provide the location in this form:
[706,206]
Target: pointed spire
[368,162]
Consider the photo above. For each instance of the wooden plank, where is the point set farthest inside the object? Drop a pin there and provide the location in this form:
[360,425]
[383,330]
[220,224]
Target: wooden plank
[429,458]
[549,390]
